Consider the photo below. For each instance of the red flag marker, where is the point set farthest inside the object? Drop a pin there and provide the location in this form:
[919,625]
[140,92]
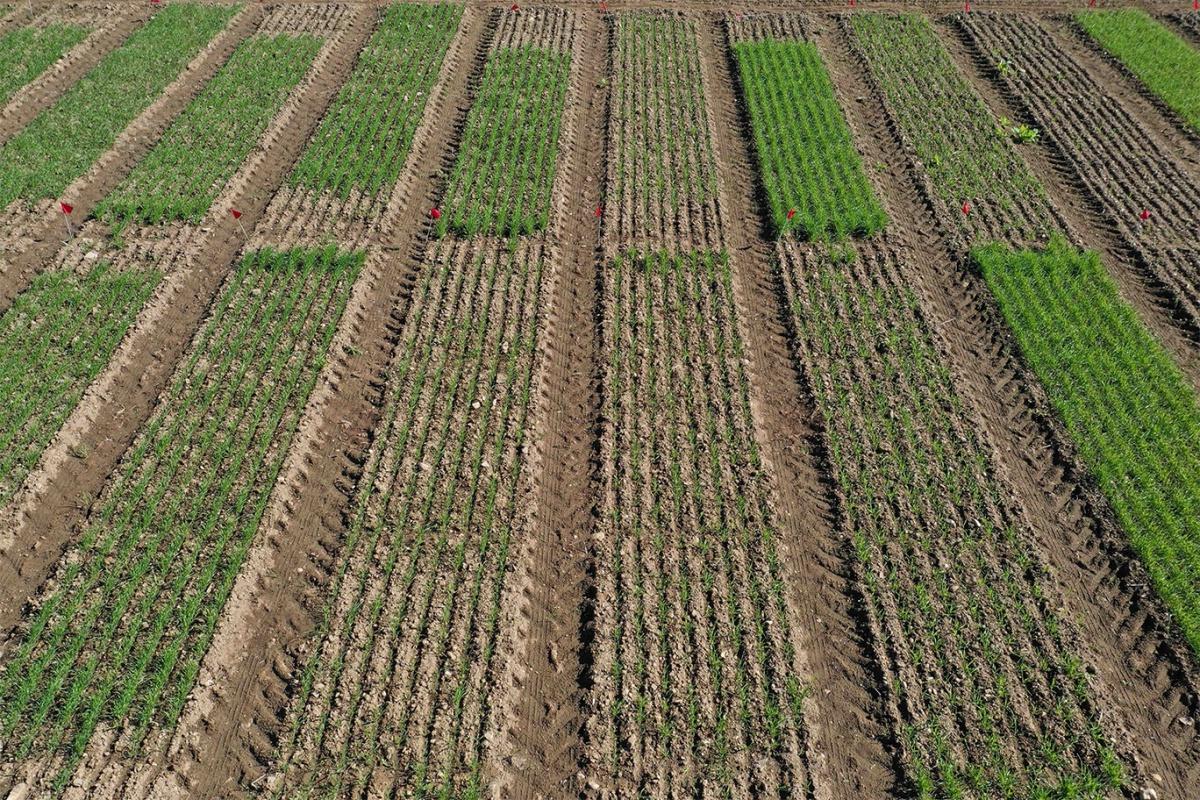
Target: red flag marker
[1091,3]
[1145,215]
[599,211]
[791,213]
[1195,5]
[852,3]
[67,208]
[515,8]
[967,6]
[435,214]
[603,5]
[966,208]
[236,214]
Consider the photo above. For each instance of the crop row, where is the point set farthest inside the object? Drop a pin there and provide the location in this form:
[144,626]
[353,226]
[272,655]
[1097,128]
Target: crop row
[663,172]
[698,689]
[61,143]
[117,636]
[1164,62]
[364,139]
[990,699]
[396,695]
[54,340]
[190,164]
[1133,415]
[811,173]
[26,53]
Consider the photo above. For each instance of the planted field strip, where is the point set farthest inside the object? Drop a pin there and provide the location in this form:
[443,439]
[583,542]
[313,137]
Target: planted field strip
[1165,63]
[54,340]
[505,169]
[944,122]
[989,696]
[362,143]
[198,154]
[697,688]
[811,173]
[26,53]
[396,693]
[662,180]
[1133,415]
[118,635]
[62,142]
[1123,169]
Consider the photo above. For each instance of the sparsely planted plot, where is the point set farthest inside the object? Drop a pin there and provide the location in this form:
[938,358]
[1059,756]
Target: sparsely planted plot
[1164,62]
[811,172]
[662,179]
[54,340]
[1134,417]
[396,696]
[1123,169]
[63,141]
[116,638]
[506,163]
[952,133]
[364,139]
[988,695]
[26,53]
[196,156]
[698,690]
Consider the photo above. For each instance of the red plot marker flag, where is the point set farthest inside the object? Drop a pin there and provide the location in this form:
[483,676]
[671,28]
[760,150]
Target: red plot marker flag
[237,215]
[967,7]
[599,211]
[852,3]
[1195,5]
[966,208]
[435,214]
[791,213]
[1091,3]
[67,208]
[1145,215]
[514,8]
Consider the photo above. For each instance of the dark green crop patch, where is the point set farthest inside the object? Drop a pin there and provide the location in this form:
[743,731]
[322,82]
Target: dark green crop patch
[27,52]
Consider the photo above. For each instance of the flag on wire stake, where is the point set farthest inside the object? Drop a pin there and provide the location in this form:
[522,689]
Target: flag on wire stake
[67,208]
[791,213]
[1145,215]
[237,215]
[599,211]
[435,214]
[514,8]
[966,208]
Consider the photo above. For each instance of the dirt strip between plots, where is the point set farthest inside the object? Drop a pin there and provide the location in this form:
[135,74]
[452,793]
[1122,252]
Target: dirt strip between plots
[45,517]
[1145,678]
[543,689]
[227,734]
[44,222]
[848,757]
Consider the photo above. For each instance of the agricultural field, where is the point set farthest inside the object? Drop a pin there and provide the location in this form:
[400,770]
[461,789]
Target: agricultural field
[459,400]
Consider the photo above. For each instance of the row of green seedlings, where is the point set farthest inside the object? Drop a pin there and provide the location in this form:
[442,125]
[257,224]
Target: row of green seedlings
[964,628]
[664,173]
[199,152]
[503,175]
[427,552]
[811,173]
[702,675]
[25,53]
[118,637]
[364,139]
[62,142]
[1166,64]
[54,340]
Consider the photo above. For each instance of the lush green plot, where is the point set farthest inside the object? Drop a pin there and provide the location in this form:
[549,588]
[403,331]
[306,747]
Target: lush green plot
[190,165]
[1126,405]
[26,53]
[1168,65]
[118,636]
[63,141]
[364,139]
[805,152]
[505,168]
[54,340]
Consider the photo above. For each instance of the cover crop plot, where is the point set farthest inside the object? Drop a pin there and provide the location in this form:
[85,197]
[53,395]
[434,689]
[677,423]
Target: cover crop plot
[1122,169]
[952,132]
[989,698]
[506,163]
[25,53]
[193,160]
[396,697]
[1129,409]
[63,141]
[698,690]
[117,637]
[806,157]
[1165,63]
[662,171]
[54,340]
[364,139]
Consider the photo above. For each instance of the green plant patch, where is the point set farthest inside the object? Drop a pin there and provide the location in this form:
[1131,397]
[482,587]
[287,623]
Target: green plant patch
[25,53]
[1164,62]
[196,156]
[1125,403]
[505,168]
[811,173]
[54,339]
[61,143]
[363,141]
